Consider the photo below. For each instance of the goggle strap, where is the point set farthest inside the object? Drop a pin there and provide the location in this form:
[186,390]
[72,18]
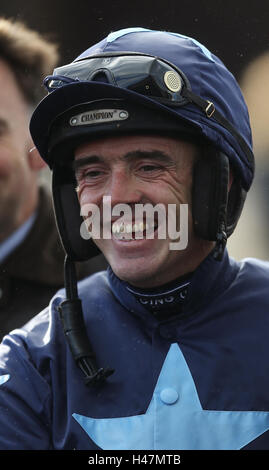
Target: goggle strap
[211,112]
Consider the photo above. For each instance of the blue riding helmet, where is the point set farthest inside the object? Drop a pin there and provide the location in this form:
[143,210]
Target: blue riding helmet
[211,100]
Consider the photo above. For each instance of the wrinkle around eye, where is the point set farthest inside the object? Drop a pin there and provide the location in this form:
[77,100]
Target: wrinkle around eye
[91,182]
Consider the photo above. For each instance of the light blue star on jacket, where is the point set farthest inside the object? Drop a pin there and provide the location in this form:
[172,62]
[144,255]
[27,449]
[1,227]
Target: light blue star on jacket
[4,378]
[175,419]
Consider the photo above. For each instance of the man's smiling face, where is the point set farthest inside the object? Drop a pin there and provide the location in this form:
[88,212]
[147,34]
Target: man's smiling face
[136,170]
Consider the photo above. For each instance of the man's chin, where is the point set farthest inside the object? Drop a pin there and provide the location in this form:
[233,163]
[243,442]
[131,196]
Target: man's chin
[140,267]
[139,275]
[131,273]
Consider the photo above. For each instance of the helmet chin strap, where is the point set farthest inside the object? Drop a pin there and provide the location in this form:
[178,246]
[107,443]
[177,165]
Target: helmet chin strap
[71,315]
[220,243]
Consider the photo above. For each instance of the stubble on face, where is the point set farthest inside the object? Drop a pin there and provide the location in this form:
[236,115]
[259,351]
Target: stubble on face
[147,263]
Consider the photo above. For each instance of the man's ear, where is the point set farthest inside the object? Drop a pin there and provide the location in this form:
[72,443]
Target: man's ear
[35,161]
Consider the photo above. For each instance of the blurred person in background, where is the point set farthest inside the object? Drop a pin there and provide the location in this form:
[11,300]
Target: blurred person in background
[251,237]
[31,255]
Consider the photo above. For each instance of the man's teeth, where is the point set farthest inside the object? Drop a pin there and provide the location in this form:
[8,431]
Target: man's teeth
[122,228]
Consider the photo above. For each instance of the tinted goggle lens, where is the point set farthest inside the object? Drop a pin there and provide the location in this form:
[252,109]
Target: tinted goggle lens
[146,75]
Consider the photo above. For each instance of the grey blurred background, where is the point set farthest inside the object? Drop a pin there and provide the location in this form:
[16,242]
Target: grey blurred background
[237,31]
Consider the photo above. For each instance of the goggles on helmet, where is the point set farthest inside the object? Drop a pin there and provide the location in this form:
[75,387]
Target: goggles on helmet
[144,74]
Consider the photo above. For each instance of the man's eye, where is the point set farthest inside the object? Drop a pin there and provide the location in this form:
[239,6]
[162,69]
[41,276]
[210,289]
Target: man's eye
[148,168]
[87,175]
[92,174]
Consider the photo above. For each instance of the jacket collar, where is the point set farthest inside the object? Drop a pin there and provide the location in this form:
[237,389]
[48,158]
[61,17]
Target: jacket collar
[207,282]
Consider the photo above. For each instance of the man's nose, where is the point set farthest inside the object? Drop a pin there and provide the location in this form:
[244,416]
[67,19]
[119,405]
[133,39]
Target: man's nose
[124,188]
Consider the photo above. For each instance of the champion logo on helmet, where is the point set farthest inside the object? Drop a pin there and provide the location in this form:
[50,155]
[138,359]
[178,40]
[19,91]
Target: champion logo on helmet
[99,115]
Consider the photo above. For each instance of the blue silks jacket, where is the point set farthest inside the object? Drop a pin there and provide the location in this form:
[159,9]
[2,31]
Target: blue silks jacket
[198,380]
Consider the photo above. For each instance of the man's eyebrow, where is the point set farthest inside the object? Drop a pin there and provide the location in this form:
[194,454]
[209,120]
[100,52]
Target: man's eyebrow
[86,161]
[156,155]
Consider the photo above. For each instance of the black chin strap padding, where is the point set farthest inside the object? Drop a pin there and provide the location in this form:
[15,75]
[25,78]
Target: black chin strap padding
[236,200]
[210,193]
[71,315]
[68,218]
